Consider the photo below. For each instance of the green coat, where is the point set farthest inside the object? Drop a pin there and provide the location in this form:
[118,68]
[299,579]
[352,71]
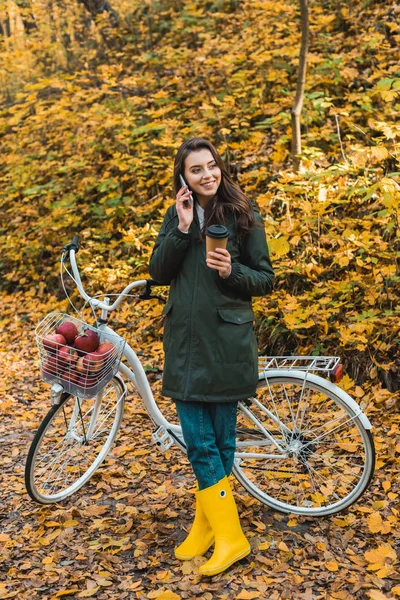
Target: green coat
[210,347]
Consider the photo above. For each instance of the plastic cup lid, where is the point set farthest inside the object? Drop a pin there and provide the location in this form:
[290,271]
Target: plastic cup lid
[217,231]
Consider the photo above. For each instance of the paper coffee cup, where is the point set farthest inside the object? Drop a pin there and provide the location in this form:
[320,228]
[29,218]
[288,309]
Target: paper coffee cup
[216,237]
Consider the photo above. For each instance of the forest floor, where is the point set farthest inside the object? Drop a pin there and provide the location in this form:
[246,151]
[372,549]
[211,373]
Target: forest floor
[115,538]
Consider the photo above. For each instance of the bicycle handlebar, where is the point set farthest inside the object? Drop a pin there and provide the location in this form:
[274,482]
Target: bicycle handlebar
[74,245]
[70,250]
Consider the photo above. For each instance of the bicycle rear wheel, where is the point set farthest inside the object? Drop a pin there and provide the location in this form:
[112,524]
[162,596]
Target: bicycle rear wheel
[301,448]
[65,453]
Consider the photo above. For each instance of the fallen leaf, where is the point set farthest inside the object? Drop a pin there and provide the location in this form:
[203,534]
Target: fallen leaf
[167,595]
[264,546]
[377,595]
[88,593]
[245,595]
[374,521]
[282,546]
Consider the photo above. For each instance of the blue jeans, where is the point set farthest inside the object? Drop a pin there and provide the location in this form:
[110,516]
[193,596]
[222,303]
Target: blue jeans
[209,431]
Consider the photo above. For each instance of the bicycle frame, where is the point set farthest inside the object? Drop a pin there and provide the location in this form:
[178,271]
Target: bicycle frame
[139,379]
[167,432]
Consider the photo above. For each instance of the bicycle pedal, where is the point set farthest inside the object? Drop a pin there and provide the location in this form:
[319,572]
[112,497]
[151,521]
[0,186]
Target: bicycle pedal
[162,438]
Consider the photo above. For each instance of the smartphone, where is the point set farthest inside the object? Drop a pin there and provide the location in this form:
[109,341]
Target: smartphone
[183,182]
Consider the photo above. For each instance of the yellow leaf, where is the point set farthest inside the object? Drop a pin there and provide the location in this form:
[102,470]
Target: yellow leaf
[378,504]
[264,546]
[163,575]
[374,521]
[279,154]
[4,537]
[104,582]
[167,595]
[279,247]
[47,560]
[215,101]
[376,595]
[282,546]
[44,541]
[292,522]
[70,523]
[321,546]
[386,485]
[384,571]
[396,590]
[245,595]
[66,592]
[259,525]
[188,567]
[88,593]
[380,554]
[332,565]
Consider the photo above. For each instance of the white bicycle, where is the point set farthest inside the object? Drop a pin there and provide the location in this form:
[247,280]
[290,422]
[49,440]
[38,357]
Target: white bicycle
[304,446]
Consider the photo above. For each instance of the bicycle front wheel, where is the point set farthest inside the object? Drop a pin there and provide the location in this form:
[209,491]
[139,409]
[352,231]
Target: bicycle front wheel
[72,441]
[302,448]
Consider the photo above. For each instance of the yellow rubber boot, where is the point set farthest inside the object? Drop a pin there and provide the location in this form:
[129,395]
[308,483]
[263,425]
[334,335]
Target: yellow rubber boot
[230,542]
[200,537]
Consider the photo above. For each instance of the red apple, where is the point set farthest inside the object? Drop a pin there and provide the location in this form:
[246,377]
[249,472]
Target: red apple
[70,376]
[80,367]
[105,349]
[68,330]
[93,362]
[68,356]
[87,381]
[52,366]
[88,341]
[53,341]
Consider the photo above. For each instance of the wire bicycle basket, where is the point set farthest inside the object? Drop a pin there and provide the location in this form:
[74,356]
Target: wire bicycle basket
[79,372]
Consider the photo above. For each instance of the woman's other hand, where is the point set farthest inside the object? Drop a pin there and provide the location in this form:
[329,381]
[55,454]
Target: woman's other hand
[184,208]
[220,260]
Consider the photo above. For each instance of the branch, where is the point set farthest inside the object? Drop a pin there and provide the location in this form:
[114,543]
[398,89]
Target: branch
[301,80]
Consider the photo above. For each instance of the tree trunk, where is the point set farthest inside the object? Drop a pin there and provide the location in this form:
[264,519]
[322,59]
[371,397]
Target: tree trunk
[27,16]
[301,80]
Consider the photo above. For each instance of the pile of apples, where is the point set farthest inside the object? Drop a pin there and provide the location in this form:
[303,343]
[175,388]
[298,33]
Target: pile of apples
[76,357]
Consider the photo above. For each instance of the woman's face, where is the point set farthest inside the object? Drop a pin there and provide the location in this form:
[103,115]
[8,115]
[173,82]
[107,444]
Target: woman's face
[202,174]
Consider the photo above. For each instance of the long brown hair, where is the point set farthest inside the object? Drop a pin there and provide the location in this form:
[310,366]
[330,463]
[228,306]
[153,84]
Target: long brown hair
[229,197]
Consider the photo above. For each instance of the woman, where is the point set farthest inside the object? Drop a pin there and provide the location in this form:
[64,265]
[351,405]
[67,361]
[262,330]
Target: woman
[211,358]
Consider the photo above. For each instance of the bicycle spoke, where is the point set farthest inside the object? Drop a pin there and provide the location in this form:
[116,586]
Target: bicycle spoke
[323,467]
[62,459]
[340,473]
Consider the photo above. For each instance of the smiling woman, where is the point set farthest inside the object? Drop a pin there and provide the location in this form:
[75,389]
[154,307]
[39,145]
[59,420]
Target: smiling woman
[211,357]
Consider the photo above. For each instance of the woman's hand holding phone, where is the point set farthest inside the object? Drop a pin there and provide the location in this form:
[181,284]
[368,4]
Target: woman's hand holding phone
[184,207]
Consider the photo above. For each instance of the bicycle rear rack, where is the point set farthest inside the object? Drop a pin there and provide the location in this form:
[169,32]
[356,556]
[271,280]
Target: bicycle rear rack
[298,363]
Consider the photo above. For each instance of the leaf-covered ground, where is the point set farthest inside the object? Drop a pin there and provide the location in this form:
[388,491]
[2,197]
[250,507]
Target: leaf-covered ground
[91,116]
[115,538]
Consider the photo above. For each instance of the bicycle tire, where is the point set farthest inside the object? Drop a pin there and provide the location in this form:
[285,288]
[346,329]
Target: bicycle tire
[36,488]
[321,474]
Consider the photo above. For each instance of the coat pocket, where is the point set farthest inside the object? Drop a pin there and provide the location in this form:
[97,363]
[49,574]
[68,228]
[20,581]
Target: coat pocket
[236,339]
